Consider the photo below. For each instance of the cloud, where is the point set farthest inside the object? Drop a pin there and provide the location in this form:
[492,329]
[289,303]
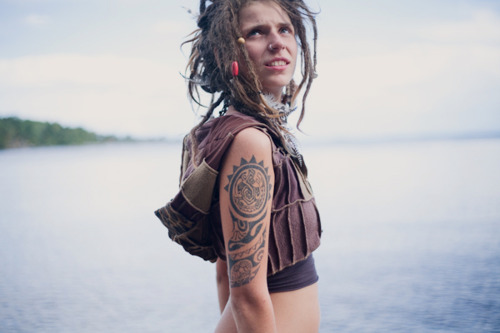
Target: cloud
[55,69]
[482,27]
[109,94]
[443,81]
[174,30]
[166,27]
[36,20]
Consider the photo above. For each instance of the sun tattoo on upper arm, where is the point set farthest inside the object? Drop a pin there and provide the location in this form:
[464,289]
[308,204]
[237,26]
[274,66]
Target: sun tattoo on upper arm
[249,191]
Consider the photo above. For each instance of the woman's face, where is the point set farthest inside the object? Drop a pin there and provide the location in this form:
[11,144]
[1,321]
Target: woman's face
[270,43]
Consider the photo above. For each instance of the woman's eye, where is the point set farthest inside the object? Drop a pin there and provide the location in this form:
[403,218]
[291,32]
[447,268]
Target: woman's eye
[254,33]
[286,30]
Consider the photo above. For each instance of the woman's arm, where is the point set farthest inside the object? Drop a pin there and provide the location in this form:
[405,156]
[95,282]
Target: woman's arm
[246,184]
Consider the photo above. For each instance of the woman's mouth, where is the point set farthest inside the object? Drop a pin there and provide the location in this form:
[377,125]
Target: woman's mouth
[277,63]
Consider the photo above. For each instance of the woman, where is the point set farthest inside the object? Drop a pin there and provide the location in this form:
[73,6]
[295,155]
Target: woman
[244,169]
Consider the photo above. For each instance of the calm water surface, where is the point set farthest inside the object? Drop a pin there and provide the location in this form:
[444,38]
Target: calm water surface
[411,240]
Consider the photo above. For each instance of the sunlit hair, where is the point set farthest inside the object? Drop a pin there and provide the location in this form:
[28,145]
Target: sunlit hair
[214,47]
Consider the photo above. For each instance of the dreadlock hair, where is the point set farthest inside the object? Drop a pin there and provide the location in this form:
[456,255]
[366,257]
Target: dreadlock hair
[214,47]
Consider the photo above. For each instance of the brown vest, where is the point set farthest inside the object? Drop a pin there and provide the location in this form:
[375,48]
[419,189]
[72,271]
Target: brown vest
[295,227]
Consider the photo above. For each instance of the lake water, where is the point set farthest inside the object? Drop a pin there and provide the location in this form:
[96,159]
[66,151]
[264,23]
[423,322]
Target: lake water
[411,240]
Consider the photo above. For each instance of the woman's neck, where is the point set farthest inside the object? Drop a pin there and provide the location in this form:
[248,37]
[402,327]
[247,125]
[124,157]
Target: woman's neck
[231,110]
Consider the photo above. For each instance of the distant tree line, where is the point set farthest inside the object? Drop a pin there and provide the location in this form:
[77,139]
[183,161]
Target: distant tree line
[15,132]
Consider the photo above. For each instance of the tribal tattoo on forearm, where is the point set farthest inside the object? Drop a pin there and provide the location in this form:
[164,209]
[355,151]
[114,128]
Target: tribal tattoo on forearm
[249,191]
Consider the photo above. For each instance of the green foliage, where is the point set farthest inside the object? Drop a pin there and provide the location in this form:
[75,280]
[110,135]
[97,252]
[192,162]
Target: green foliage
[15,132]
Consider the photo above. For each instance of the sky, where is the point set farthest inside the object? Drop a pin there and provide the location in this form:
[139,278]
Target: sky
[386,68]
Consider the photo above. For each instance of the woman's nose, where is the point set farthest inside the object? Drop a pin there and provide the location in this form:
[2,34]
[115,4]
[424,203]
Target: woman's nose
[276,42]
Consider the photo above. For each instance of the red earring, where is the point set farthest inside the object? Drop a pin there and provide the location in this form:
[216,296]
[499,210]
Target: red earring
[235,68]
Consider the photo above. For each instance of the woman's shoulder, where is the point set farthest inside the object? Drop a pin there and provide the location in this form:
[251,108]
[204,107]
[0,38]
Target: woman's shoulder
[232,125]
[251,140]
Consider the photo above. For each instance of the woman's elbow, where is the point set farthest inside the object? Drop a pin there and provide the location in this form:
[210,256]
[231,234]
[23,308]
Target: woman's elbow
[241,300]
